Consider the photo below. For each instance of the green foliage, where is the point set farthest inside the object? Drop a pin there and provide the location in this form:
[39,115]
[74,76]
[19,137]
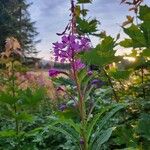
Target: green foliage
[114,115]
[139,34]
[94,127]
[87,26]
[143,126]
[103,54]
[84,1]
[144,13]
[102,138]
[136,35]
[119,74]
[31,98]
[15,22]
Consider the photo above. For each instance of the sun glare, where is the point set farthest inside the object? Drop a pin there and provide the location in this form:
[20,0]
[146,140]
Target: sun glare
[132,59]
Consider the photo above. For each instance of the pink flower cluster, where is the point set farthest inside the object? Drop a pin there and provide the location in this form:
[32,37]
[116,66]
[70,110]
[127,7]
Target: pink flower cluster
[69,46]
[66,50]
[30,79]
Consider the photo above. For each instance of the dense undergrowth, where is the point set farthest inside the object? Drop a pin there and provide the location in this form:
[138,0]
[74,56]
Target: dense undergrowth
[101,102]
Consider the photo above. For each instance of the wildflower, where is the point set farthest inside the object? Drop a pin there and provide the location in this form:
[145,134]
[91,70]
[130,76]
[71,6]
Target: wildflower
[97,83]
[81,141]
[28,75]
[40,80]
[78,64]
[90,73]
[69,46]
[62,107]
[54,72]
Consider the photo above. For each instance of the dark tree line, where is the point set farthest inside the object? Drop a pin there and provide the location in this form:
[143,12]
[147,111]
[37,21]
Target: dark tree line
[15,21]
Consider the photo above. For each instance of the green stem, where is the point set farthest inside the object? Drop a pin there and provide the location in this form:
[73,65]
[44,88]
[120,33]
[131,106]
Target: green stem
[81,103]
[81,110]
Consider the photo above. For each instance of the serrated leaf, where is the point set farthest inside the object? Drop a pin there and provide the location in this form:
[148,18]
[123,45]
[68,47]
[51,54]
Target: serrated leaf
[63,81]
[145,27]
[144,13]
[87,26]
[143,126]
[82,74]
[103,54]
[136,35]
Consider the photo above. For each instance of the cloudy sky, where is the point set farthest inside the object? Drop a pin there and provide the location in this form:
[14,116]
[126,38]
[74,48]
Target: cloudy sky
[52,16]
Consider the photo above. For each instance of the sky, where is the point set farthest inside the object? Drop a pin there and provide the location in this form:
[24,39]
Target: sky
[52,16]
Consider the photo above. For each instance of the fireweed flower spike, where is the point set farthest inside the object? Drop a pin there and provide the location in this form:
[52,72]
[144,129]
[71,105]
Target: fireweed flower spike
[55,72]
[66,50]
[70,45]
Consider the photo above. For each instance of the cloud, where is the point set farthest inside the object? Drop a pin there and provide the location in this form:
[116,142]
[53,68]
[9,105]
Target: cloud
[52,16]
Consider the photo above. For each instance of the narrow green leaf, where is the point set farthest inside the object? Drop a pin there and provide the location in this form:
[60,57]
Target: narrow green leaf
[104,120]
[102,138]
[7,133]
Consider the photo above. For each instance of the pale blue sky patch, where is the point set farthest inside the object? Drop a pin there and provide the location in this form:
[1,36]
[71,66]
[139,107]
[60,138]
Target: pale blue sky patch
[52,16]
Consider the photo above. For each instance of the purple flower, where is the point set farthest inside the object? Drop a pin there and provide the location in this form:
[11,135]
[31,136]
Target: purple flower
[90,72]
[81,141]
[64,39]
[66,50]
[62,107]
[78,65]
[97,83]
[72,38]
[54,72]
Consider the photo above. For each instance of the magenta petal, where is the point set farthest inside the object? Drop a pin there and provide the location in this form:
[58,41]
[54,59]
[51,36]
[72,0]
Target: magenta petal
[54,72]
[78,65]
[90,72]
[64,39]
[66,49]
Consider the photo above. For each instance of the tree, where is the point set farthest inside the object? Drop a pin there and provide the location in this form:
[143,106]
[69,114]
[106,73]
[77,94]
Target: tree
[15,21]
